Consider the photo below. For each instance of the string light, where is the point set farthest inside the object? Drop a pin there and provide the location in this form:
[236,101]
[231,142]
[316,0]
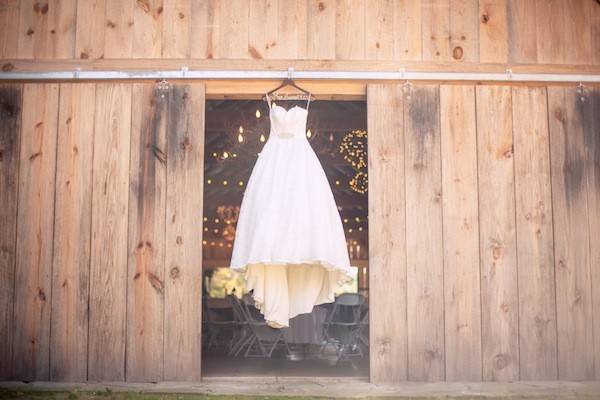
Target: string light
[262,138]
[209,181]
[357,219]
[241,129]
[241,183]
[240,138]
[216,220]
[337,182]
[359,183]
[354,148]
[205,219]
[224,183]
[308,133]
[204,242]
[205,229]
[225,155]
[257,113]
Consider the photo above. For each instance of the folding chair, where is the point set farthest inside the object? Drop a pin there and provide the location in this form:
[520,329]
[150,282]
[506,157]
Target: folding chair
[263,339]
[243,332]
[220,321]
[343,326]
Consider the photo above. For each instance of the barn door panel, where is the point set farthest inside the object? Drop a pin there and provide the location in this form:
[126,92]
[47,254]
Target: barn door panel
[387,251]
[10,133]
[37,163]
[164,271]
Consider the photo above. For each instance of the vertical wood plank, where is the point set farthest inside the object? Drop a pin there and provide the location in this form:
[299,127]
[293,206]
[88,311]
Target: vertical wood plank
[497,234]
[577,32]
[350,30]
[493,31]
[537,305]
[205,29]
[424,258]
[595,16]
[183,291]
[118,29]
[234,29]
[379,26]
[72,234]
[89,41]
[177,28]
[37,164]
[568,115]
[147,194]
[461,234]
[464,30]
[108,271]
[592,134]
[148,27]
[522,31]
[436,30]
[47,29]
[262,35]
[291,32]
[320,30]
[387,243]
[10,134]
[550,39]
[408,42]
[9,28]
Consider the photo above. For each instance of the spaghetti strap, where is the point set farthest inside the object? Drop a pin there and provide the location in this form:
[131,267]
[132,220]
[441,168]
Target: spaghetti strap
[308,102]
[268,100]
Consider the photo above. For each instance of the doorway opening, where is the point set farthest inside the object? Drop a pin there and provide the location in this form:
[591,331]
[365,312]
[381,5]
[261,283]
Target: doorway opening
[332,340]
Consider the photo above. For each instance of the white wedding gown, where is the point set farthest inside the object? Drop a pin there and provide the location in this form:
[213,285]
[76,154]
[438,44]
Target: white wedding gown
[289,239]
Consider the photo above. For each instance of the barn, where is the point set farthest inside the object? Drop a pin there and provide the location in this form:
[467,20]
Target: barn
[483,200]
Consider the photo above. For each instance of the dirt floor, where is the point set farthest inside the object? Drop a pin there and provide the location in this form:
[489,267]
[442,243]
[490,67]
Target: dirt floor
[290,388]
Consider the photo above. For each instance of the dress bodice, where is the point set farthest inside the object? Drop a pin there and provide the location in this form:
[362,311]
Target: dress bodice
[288,124]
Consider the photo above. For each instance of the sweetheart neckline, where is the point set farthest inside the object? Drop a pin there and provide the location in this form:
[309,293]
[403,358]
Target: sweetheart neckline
[286,111]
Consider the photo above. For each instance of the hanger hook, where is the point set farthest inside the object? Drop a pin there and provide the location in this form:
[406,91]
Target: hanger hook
[290,72]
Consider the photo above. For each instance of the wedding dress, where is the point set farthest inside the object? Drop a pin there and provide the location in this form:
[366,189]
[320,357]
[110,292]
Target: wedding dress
[289,239]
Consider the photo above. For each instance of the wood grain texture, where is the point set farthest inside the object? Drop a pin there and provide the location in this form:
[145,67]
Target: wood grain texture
[47,29]
[436,30]
[72,233]
[595,22]
[424,251]
[89,41]
[408,44]
[177,29]
[37,165]
[387,242]
[497,234]
[118,29]
[350,30]
[537,296]
[464,30]
[522,31]
[493,31]
[205,29]
[462,315]
[11,97]
[568,114]
[577,32]
[233,29]
[320,29]
[9,28]
[379,30]
[592,134]
[183,278]
[550,39]
[146,238]
[148,19]
[108,272]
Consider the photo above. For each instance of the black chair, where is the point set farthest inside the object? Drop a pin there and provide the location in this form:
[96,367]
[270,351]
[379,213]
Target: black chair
[220,323]
[263,339]
[345,325]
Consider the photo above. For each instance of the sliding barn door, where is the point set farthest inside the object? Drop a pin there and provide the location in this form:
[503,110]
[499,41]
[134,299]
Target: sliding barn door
[483,206]
[101,251]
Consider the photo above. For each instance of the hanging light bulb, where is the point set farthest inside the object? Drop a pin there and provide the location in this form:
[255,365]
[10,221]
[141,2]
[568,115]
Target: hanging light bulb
[241,183]
[331,137]
[308,133]
[240,138]
[337,182]
[262,138]
[209,181]
[257,113]
[225,155]
[241,129]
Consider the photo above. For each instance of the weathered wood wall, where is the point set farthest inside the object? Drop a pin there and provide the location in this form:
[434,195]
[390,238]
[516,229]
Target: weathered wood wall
[484,205]
[99,268]
[486,31]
